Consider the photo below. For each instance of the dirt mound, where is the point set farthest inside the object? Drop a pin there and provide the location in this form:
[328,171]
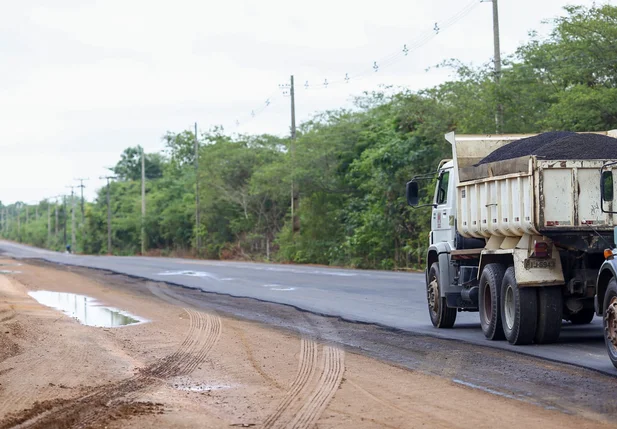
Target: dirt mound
[558,145]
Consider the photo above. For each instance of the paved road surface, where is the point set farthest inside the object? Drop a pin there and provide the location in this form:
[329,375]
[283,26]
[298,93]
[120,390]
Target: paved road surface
[388,298]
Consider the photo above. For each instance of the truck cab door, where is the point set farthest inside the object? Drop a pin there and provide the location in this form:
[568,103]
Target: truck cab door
[442,221]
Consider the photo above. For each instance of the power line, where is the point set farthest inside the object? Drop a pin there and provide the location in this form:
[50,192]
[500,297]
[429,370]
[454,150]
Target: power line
[377,65]
[404,51]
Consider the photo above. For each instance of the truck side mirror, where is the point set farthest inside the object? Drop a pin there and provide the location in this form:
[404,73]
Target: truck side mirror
[606,186]
[412,193]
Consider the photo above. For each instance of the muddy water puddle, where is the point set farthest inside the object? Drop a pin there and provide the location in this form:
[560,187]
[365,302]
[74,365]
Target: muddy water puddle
[88,311]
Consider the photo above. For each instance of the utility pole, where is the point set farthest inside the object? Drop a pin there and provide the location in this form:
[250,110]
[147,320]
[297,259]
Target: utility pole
[26,214]
[82,186]
[64,217]
[72,217]
[143,201]
[108,178]
[295,221]
[197,209]
[497,61]
[48,224]
[18,223]
[56,207]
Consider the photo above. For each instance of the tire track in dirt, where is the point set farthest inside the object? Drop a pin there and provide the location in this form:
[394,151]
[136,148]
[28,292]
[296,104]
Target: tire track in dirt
[333,367]
[306,368]
[251,357]
[7,313]
[306,401]
[204,331]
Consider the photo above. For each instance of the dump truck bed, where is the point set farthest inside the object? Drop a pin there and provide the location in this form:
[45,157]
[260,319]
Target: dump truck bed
[525,195]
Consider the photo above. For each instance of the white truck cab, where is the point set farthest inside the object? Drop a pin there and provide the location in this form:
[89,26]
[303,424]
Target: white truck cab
[443,227]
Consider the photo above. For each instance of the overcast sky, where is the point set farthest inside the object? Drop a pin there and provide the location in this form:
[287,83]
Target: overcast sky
[81,80]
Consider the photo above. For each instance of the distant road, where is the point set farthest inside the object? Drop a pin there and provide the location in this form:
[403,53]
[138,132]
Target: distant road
[392,299]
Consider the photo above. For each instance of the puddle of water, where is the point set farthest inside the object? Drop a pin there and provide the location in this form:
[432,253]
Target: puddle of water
[9,272]
[85,309]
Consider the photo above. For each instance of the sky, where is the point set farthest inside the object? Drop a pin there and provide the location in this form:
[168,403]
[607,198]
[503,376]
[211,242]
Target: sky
[82,79]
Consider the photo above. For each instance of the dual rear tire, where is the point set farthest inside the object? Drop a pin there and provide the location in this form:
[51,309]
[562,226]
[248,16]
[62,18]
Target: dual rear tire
[520,315]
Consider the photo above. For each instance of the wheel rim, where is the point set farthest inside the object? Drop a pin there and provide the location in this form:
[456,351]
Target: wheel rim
[487,304]
[433,295]
[610,325]
[509,306]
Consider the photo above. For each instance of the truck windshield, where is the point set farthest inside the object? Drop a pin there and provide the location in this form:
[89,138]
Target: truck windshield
[442,189]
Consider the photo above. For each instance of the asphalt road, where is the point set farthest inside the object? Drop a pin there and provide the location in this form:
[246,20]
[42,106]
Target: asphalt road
[391,299]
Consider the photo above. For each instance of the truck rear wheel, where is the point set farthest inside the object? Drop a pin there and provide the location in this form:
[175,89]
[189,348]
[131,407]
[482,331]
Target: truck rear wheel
[441,315]
[489,299]
[550,313]
[519,310]
[610,321]
[583,317]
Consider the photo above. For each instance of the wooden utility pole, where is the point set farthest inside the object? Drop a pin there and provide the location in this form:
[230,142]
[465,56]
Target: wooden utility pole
[143,202]
[72,218]
[57,223]
[497,59]
[26,214]
[18,223]
[48,224]
[64,217]
[108,178]
[197,205]
[295,221]
[82,186]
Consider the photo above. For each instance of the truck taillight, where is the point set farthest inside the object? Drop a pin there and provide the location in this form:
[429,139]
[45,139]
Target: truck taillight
[541,249]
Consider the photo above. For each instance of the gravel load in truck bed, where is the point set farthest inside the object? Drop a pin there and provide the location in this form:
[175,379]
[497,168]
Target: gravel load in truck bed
[558,145]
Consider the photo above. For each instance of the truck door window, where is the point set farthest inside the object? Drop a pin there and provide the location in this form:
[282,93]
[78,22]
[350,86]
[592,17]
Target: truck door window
[442,189]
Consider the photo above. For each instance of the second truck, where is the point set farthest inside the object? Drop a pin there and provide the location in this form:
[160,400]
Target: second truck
[524,241]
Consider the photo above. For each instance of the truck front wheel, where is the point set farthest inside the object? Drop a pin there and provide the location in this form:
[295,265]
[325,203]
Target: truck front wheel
[489,299]
[519,310]
[441,315]
[610,321]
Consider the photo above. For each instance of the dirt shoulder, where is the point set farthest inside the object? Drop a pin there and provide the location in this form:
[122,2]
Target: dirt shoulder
[187,367]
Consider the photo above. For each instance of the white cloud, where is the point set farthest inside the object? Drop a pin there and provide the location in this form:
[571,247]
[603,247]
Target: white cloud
[83,79]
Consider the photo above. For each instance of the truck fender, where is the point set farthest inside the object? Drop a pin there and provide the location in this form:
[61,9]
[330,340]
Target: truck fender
[440,252]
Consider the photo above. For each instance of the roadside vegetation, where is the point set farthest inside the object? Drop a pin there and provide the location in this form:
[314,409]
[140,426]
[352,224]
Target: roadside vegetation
[350,165]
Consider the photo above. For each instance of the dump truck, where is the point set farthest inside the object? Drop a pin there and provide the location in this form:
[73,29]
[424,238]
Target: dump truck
[526,242]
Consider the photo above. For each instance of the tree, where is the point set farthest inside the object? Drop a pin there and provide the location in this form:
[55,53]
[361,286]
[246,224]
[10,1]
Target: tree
[129,166]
